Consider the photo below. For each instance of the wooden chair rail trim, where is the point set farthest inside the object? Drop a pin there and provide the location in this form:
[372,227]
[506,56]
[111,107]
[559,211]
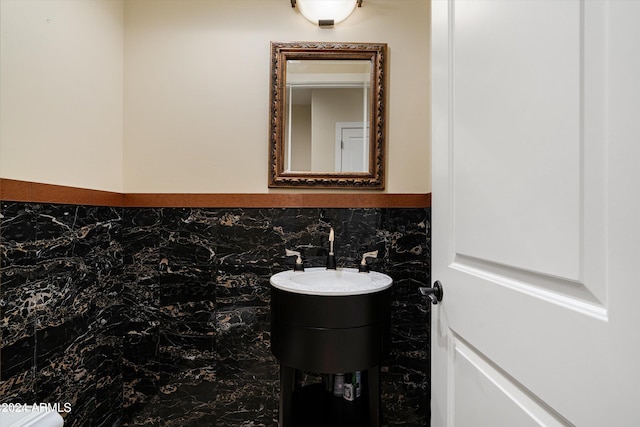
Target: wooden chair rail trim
[33,192]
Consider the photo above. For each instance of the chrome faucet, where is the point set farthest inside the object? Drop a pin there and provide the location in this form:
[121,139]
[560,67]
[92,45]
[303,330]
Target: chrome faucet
[331,258]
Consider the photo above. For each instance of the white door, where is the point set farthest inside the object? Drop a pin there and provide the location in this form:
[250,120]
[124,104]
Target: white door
[536,213]
[352,147]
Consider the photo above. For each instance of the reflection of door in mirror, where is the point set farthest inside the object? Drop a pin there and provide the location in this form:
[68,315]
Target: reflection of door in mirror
[352,147]
[320,94]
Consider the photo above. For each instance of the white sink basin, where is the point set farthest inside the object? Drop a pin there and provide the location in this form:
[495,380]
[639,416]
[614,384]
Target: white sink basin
[323,282]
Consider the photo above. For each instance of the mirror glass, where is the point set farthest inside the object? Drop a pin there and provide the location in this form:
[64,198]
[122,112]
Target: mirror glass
[327,115]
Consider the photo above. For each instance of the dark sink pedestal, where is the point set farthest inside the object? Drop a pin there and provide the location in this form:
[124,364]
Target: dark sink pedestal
[329,335]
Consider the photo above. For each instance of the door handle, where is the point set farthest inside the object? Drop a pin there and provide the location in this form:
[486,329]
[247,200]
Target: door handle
[434,293]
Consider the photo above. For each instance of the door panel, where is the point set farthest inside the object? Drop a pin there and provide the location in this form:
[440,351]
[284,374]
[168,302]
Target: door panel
[525,155]
[532,132]
[481,388]
[353,150]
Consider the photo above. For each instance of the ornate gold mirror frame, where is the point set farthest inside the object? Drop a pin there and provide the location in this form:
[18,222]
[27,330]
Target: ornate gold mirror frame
[293,52]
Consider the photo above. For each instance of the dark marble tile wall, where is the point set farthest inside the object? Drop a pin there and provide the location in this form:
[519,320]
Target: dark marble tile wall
[60,275]
[160,317]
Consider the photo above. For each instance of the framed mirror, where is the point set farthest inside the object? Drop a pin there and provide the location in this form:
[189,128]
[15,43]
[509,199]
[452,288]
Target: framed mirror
[327,123]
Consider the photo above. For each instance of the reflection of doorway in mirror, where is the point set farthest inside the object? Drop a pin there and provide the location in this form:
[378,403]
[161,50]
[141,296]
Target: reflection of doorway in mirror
[352,147]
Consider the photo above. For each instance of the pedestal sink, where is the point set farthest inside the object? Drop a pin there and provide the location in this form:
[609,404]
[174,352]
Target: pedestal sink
[330,321]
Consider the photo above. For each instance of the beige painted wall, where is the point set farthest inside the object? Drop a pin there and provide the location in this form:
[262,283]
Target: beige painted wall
[192,113]
[330,106]
[61,64]
[301,134]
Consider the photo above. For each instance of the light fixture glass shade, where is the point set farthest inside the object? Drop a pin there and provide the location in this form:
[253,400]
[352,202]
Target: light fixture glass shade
[326,10]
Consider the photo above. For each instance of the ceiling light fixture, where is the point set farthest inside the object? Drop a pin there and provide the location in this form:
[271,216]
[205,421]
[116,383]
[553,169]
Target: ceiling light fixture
[326,13]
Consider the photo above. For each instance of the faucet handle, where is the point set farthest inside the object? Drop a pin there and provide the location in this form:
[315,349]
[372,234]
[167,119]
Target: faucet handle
[363,267]
[372,254]
[298,265]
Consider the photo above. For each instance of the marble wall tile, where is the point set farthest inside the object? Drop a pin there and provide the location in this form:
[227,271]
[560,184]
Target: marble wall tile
[169,340]
[59,264]
[246,403]
[161,316]
[405,385]
[109,381]
[18,300]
